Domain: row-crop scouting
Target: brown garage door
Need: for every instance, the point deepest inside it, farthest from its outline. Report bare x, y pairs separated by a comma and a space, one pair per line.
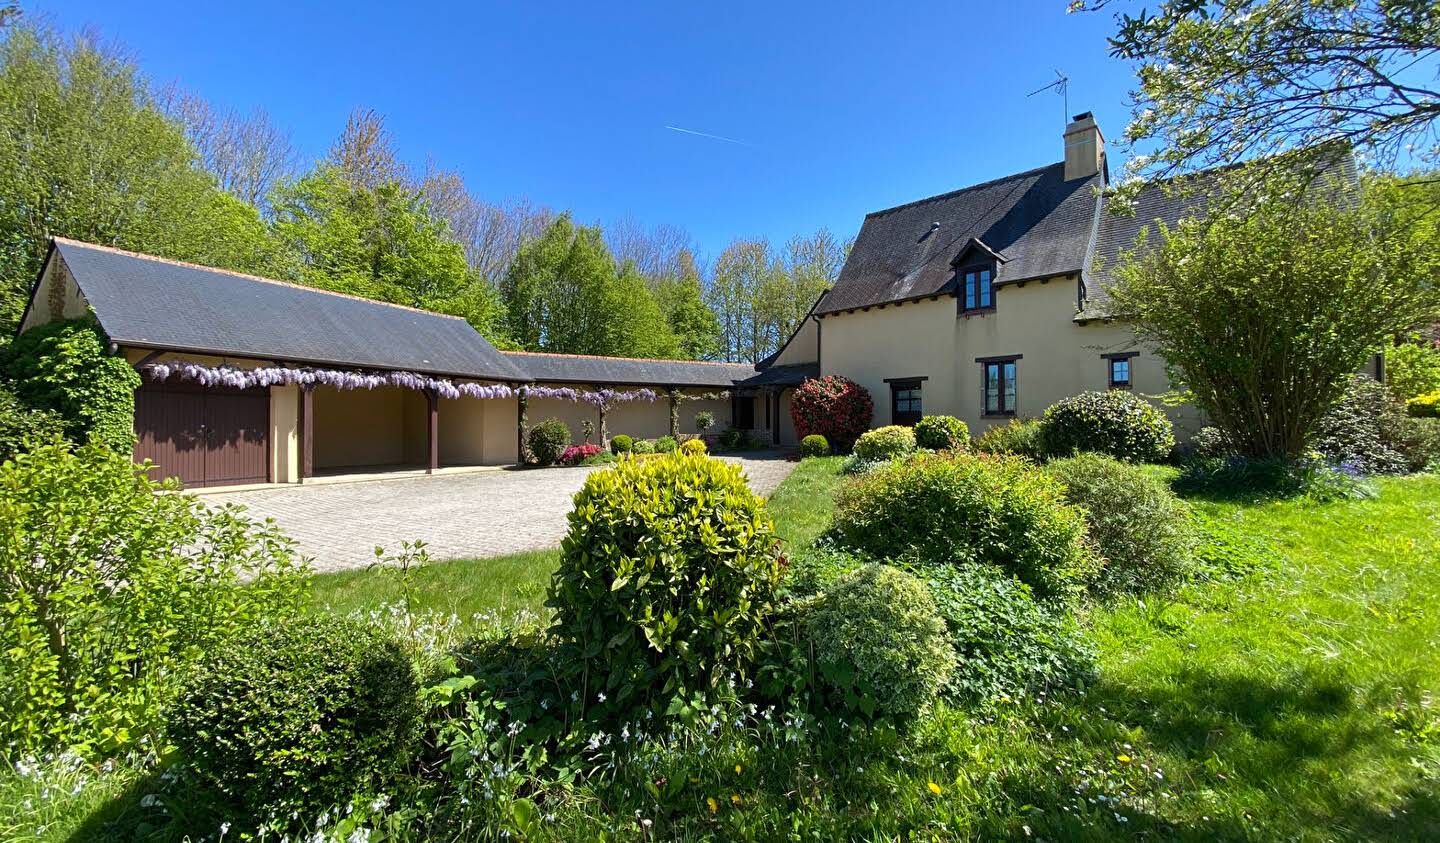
204, 436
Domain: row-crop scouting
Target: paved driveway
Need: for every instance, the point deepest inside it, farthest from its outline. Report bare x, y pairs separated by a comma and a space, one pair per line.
459, 516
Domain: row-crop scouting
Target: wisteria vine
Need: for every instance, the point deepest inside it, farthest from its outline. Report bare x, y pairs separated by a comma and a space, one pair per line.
265, 376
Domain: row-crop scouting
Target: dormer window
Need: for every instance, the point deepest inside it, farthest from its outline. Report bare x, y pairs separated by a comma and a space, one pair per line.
977, 288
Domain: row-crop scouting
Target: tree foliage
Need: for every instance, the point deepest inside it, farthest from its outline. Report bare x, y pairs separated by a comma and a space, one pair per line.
1225, 82
84, 153
1266, 310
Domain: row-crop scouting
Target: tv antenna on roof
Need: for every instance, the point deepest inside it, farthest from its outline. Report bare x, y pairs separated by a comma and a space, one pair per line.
1062, 87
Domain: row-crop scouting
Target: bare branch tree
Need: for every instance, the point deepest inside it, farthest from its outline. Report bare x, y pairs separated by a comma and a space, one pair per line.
247, 154
365, 153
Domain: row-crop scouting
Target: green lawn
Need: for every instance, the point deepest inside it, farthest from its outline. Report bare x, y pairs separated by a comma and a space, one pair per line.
1293, 702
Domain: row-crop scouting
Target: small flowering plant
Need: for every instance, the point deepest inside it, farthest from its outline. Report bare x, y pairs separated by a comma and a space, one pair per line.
834, 407
577, 454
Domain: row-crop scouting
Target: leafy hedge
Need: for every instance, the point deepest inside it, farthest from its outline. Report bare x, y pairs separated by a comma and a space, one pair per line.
299, 715
22, 427
66, 368
834, 407
109, 592
666, 580
1115, 422
1136, 523
961, 510
1425, 406
1017, 437
1370, 432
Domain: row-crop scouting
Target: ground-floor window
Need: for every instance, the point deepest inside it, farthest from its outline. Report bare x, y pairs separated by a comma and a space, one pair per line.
1117, 368
998, 379
905, 404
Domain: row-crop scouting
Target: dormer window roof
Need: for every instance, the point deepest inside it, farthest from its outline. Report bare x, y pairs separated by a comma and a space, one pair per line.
976, 253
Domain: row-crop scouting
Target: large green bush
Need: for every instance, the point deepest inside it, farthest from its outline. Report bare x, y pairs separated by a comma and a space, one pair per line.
1116, 422
814, 445
834, 407
1370, 432
66, 368
1412, 368
548, 440
1018, 437
985, 510
1136, 523
1005, 642
299, 715
880, 647
885, 443
622, 444
21, 426
108, 591
666, 580
941, 433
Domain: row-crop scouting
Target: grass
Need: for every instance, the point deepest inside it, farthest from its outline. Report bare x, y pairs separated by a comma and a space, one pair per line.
1294, 701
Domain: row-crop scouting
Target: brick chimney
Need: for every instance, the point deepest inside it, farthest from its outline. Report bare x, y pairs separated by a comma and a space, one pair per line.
1084, 148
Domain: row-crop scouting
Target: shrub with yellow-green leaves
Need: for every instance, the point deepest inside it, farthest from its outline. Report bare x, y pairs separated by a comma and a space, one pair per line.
885, 443
666, 581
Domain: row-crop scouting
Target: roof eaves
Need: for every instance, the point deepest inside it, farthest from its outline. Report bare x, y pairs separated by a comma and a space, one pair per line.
516, 377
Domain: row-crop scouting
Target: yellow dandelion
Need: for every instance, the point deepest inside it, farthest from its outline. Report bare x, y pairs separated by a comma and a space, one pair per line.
734, 799
1123, 759
936, 789
738, 768
714, 806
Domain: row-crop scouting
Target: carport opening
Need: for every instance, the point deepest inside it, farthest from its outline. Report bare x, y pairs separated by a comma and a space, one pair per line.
387, 429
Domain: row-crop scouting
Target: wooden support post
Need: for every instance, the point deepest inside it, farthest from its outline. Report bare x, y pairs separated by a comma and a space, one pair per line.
434, 430
522, 403
307, 431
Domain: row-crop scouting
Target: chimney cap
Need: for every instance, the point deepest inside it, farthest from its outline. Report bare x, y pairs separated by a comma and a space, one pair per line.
1084, 115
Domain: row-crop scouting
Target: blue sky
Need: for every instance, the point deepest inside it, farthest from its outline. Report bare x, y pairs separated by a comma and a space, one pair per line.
843, 108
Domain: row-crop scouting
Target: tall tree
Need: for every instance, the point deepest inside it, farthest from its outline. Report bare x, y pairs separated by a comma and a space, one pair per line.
638, 327
246, 153
84, 153
682, 301
364, 154
490, 233
381, 243
1223, 82
655, 252
1267, 309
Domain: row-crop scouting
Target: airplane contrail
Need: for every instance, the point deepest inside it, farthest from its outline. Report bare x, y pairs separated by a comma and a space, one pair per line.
707, 135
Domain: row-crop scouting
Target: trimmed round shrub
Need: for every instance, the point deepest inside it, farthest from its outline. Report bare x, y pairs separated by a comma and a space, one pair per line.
1018, 437
1005, 641
814, 445
1135, 522
299, 715
693, 446
548, 440
1116, 422
885, 443
66, 367
941, 433
622, 444
982, 510
665, 444
704, 420
667, 578
834, 407
643, 446
881, 648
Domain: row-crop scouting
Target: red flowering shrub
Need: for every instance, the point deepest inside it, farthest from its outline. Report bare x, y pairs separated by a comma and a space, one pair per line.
576, 454
834, 407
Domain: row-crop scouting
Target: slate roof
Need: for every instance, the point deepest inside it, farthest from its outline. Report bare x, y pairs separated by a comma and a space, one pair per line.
1039, 222
628, 371
151, 302
792, 375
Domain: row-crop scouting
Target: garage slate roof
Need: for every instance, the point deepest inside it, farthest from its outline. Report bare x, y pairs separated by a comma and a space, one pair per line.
792, 375
152, 302
628, 371
1039, 223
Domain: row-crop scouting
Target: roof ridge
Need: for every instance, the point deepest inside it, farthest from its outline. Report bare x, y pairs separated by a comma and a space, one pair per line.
248, 276
958, 191
632, 359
